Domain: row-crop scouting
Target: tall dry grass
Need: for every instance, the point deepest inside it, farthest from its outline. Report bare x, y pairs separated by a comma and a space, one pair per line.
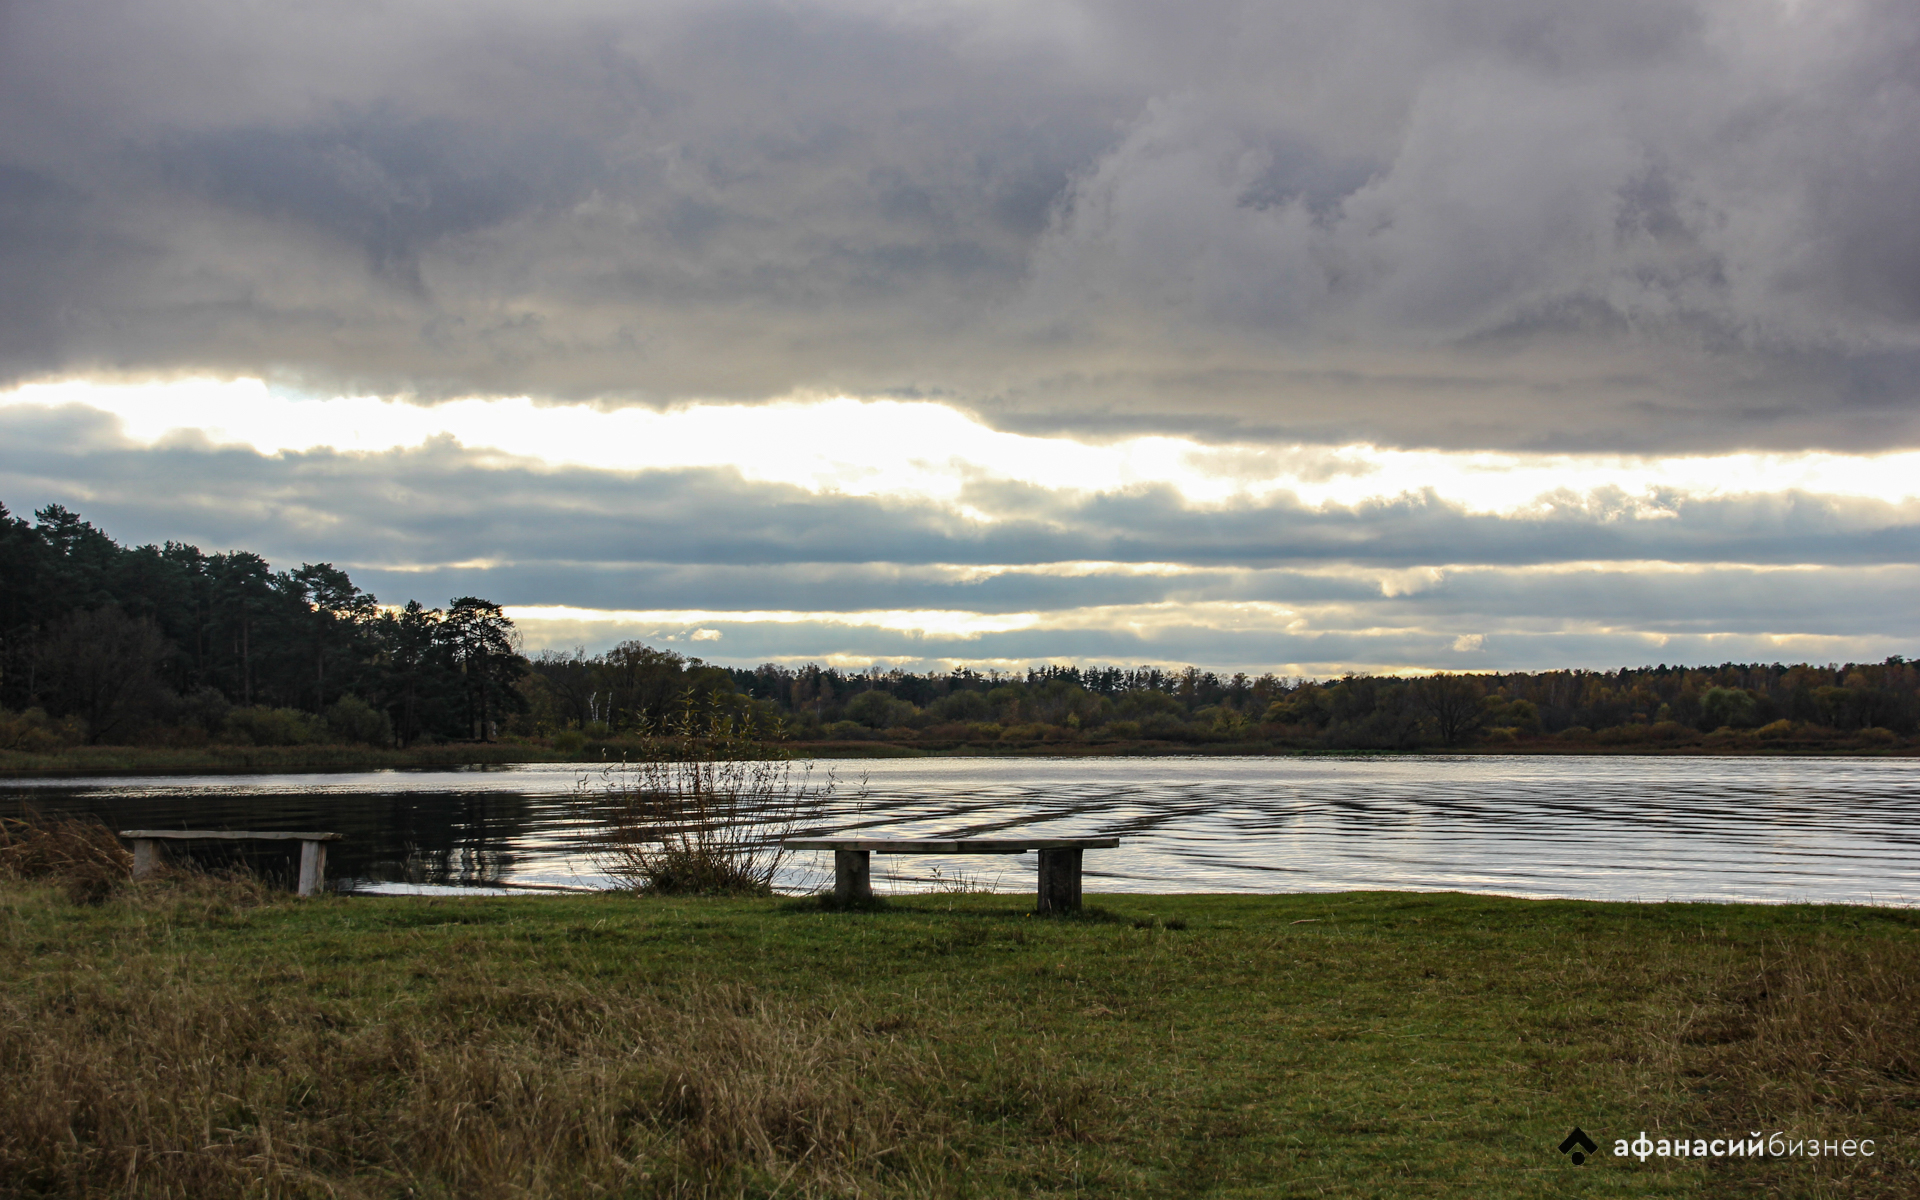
156, 1083
81, 854
1819, 1040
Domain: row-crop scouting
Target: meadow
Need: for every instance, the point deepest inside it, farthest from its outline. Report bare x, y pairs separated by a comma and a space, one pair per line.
206, 1037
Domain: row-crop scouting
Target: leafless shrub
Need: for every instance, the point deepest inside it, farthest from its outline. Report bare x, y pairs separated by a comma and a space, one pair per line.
701, 810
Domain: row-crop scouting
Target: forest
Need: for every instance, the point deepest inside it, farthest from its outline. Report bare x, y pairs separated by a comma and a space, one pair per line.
1728, 707
169, 646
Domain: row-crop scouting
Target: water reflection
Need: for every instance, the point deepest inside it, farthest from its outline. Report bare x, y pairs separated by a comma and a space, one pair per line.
1607, 828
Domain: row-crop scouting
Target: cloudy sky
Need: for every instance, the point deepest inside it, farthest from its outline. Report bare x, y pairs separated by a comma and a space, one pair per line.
1456, 334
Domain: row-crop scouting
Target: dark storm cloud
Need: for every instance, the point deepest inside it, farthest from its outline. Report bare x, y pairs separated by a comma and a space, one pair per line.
1648, 225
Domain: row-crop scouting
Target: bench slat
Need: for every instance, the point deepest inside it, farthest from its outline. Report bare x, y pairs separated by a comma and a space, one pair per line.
951, 846
229, 835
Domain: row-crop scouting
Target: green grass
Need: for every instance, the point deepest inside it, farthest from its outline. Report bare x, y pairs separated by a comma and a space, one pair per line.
199, 1040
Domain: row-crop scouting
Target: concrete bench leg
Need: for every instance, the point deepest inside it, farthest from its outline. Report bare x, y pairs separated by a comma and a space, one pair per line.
146, 858
852, 876
313, 867
1059, 881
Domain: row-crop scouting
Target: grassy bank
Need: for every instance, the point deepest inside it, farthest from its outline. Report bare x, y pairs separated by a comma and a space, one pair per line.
201, 1039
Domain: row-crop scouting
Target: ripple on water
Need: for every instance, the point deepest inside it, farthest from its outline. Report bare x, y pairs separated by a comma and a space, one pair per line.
1773, 829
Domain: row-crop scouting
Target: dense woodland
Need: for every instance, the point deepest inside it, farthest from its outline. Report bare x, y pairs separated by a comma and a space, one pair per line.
169, 646
1731, 706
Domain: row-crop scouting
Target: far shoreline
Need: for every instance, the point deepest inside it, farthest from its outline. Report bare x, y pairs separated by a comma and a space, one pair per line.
75, 762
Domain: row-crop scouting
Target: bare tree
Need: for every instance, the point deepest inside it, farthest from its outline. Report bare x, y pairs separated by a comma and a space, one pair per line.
104, 667
1453, 703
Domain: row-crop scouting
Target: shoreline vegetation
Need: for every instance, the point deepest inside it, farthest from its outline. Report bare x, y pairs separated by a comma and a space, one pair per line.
81, 761
165, 658
206, 1037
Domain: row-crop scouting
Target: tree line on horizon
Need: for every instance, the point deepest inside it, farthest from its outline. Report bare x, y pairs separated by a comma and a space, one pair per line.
168, 646
636, 687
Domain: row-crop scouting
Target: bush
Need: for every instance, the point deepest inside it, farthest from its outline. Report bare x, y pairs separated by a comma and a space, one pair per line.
1623, 735
204, 707
32, 732
847, 731
570, 741
702, 812
263, 726
1723, 707
878, 710
1166, 726
352, 719
172, 737
961, 706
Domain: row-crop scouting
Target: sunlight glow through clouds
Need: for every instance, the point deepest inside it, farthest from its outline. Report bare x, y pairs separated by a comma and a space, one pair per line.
922, 449
561, 625
947, 623
1152, 633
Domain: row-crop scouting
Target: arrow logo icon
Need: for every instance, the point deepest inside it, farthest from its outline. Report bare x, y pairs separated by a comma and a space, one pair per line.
1578, 1138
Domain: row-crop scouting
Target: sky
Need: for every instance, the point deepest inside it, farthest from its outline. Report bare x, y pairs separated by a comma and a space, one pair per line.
1315, 337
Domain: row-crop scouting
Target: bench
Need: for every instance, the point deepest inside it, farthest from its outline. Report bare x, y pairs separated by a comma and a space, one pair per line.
313, 849
1059, 861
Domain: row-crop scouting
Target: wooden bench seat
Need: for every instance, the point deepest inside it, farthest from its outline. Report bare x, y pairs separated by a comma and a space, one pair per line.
1059, 861
313, 849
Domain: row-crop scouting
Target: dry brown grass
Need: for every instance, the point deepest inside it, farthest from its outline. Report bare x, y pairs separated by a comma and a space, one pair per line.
1822, 1041
79, 853
196, 1037
156, 1082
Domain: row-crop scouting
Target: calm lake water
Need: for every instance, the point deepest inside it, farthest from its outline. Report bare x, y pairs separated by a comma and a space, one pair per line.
1830, 830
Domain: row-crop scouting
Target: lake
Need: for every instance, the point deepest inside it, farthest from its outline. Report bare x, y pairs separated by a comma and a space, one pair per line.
1844, 830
